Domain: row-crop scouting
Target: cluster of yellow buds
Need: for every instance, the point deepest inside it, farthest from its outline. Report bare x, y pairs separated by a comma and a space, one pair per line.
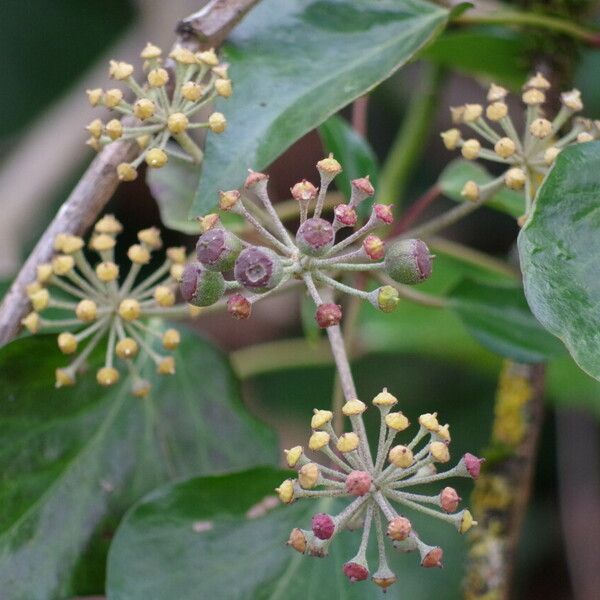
107, 306
529, 156
164, 105
375, 487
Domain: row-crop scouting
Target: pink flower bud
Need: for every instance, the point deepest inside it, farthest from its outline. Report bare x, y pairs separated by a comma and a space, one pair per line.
374, 247
323, 526
399, 528
364, 186
254, 178
239, 307
315, 236
328, 315
449, 499
473, 464
433, 558
383, 213
304, 191
355, 571
358, 483
345, 215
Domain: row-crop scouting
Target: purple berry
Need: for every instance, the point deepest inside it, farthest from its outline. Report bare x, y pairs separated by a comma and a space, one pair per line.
201, 287
315, 236
217, 249
258, 269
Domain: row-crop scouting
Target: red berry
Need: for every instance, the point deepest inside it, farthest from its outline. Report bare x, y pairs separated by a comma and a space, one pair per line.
355, 571
323, 526
238, 306
328, 315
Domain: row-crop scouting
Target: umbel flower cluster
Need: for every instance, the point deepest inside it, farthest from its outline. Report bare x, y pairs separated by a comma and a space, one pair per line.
103, 306
318, 254
375, 485
527, 156
163, 107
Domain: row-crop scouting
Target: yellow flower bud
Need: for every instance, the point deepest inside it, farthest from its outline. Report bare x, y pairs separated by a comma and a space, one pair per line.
150, 237
44, 272
183, 56
470, 149
94, 96
318, 440
40, 299
177, 123
472, 112
112, 97
171, 339
354, 407
466, 521
194, 311
470, 191
33, 287
143, 141
120, 70
150, 51
71, 244
540, 128
177, 254
108, 224
329, 166
539, 82
208, 222
64, 377
107, 376
191, 91
129, 309
320, 418
457, 114
451, 138
286, 491
384, 398
443, 433
550, 154
138, 254
156, 158
166, 366
164, 295
126, 348
144, 108
533, 97
292, 456
584, 137
397, 421
439, 451
217, 122
95, 128
308, 475
347, 442
59, 240
140, 388
401, 457
102, 242
505, 147
496, 111
126, 172
31, 322
221, 71
227, 200
514, 178
114, 129
86, 310
429, 421
62, 264
176, 273
67, 342
572, 100
158, 77
223, 87
208, 57
496, 93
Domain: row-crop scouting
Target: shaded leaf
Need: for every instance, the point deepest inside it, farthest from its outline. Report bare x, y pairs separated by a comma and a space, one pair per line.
559, 248
73, 459
458, 172
498, 317
294, 64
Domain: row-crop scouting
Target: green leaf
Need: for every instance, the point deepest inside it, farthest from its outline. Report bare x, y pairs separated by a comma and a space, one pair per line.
353, 152
293, 64
194, 539
498, 317
559, 248
73, 460
459, 171
494, 53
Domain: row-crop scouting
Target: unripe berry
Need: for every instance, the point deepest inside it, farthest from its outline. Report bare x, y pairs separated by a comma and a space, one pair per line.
358, 483
385, 298
304, 191
217, 249
200, 286
466, 521
156, 158
401, 457
239, 307
374, 247
408, 261
258, 269
315, 236
328, 315
355, 571
323, 526
449, 499
126, 348
399, 528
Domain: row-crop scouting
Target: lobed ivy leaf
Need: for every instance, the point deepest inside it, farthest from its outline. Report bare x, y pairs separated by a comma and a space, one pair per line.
559, 248
73, 460
293, 64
